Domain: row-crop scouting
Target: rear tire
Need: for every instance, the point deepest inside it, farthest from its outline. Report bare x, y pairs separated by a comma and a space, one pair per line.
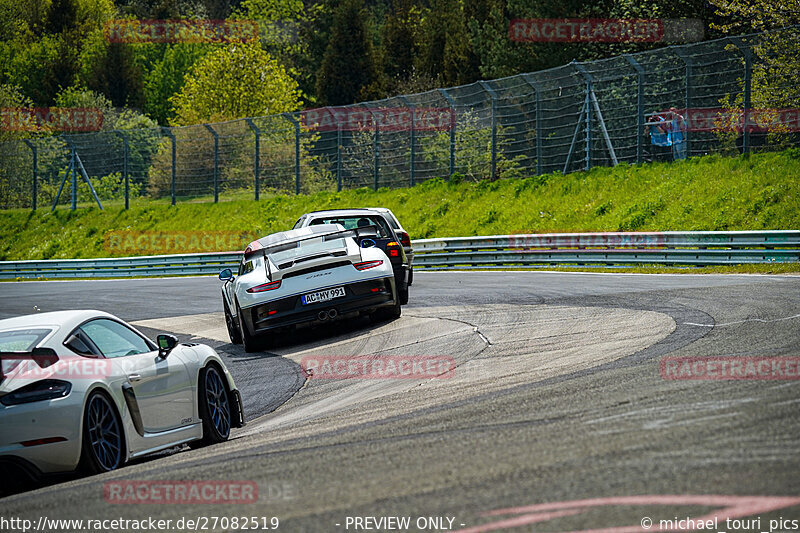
410, 276
230, 322
250, 343
214, 407
103, 442
388, 313
403, 294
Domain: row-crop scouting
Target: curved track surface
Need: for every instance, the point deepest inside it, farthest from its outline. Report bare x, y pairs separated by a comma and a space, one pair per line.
556, 397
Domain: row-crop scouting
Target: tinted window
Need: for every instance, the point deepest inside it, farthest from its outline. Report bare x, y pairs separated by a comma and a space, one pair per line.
21, 340
114, 339
357, 221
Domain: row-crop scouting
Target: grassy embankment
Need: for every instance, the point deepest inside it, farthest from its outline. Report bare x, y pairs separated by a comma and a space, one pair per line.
709, 193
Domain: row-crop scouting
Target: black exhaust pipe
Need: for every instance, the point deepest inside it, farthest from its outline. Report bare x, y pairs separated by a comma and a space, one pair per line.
332, 313
322, 316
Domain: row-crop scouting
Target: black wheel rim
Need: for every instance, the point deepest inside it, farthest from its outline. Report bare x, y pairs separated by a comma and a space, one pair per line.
217, 402
104, 433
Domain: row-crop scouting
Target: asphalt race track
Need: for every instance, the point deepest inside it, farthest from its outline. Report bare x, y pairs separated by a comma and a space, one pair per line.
556, 417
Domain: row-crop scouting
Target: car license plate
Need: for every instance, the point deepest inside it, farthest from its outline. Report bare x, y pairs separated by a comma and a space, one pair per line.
323, 296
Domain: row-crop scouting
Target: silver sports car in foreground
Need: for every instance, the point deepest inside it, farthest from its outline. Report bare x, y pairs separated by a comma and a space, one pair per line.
307, 276
83, 389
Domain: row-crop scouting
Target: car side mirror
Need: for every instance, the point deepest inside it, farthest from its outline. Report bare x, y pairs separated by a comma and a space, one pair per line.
226, 275
165, 344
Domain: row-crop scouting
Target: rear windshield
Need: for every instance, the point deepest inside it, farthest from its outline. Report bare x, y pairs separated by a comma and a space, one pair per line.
22, 340
359, 221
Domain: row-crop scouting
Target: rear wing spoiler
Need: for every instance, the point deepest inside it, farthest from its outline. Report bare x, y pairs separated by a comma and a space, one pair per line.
43, 357
364, 232
356, 233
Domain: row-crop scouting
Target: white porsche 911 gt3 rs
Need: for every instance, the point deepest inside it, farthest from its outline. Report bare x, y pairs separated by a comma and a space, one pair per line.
83, 389
307, 276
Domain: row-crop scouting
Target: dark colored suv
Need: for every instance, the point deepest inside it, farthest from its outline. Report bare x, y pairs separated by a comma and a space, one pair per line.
387, 240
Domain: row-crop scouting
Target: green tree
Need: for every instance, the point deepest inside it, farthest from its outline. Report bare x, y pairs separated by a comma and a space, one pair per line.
445, 48
62, 15
400, 36
348, 71
239, 80
166, 76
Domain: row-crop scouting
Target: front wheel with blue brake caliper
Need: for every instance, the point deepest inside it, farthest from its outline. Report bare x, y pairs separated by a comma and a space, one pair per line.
103, 444
214, 407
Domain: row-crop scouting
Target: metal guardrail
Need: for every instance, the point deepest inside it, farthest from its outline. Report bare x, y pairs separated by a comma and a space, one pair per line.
693, 248
123, 267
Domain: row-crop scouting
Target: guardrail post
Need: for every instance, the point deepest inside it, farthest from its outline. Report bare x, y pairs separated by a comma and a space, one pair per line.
290, 118
125, 155
413, 136
216, 161
687, 60
639, 107
35, 165
453, 122
172, 139
257, 156
493, 96
537, 90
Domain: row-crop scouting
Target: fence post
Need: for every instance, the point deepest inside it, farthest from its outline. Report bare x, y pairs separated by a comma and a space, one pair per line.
172, 139
537, 90
257, 157
748, 82
589, 92
376, 150
453, 122
216, 161
687, 60
639, 107
290, 118
125, 152
338, 156
35, 171
413, 136
493, 96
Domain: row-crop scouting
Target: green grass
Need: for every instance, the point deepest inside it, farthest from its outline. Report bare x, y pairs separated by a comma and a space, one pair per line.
708, 193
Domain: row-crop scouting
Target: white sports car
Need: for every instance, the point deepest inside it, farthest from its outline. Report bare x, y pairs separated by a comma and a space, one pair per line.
307, 276
83, 389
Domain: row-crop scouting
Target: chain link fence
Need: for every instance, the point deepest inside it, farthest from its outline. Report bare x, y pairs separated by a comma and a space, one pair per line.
732, 95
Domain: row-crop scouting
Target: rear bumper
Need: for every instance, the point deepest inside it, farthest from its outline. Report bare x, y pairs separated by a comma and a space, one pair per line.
362, 296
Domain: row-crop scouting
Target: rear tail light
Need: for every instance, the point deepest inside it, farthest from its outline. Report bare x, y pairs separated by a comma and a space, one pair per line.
272, 285
405, 240
368, 264
393, 248
39, 442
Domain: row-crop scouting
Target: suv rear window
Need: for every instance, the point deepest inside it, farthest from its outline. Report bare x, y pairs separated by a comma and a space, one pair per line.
352, 222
